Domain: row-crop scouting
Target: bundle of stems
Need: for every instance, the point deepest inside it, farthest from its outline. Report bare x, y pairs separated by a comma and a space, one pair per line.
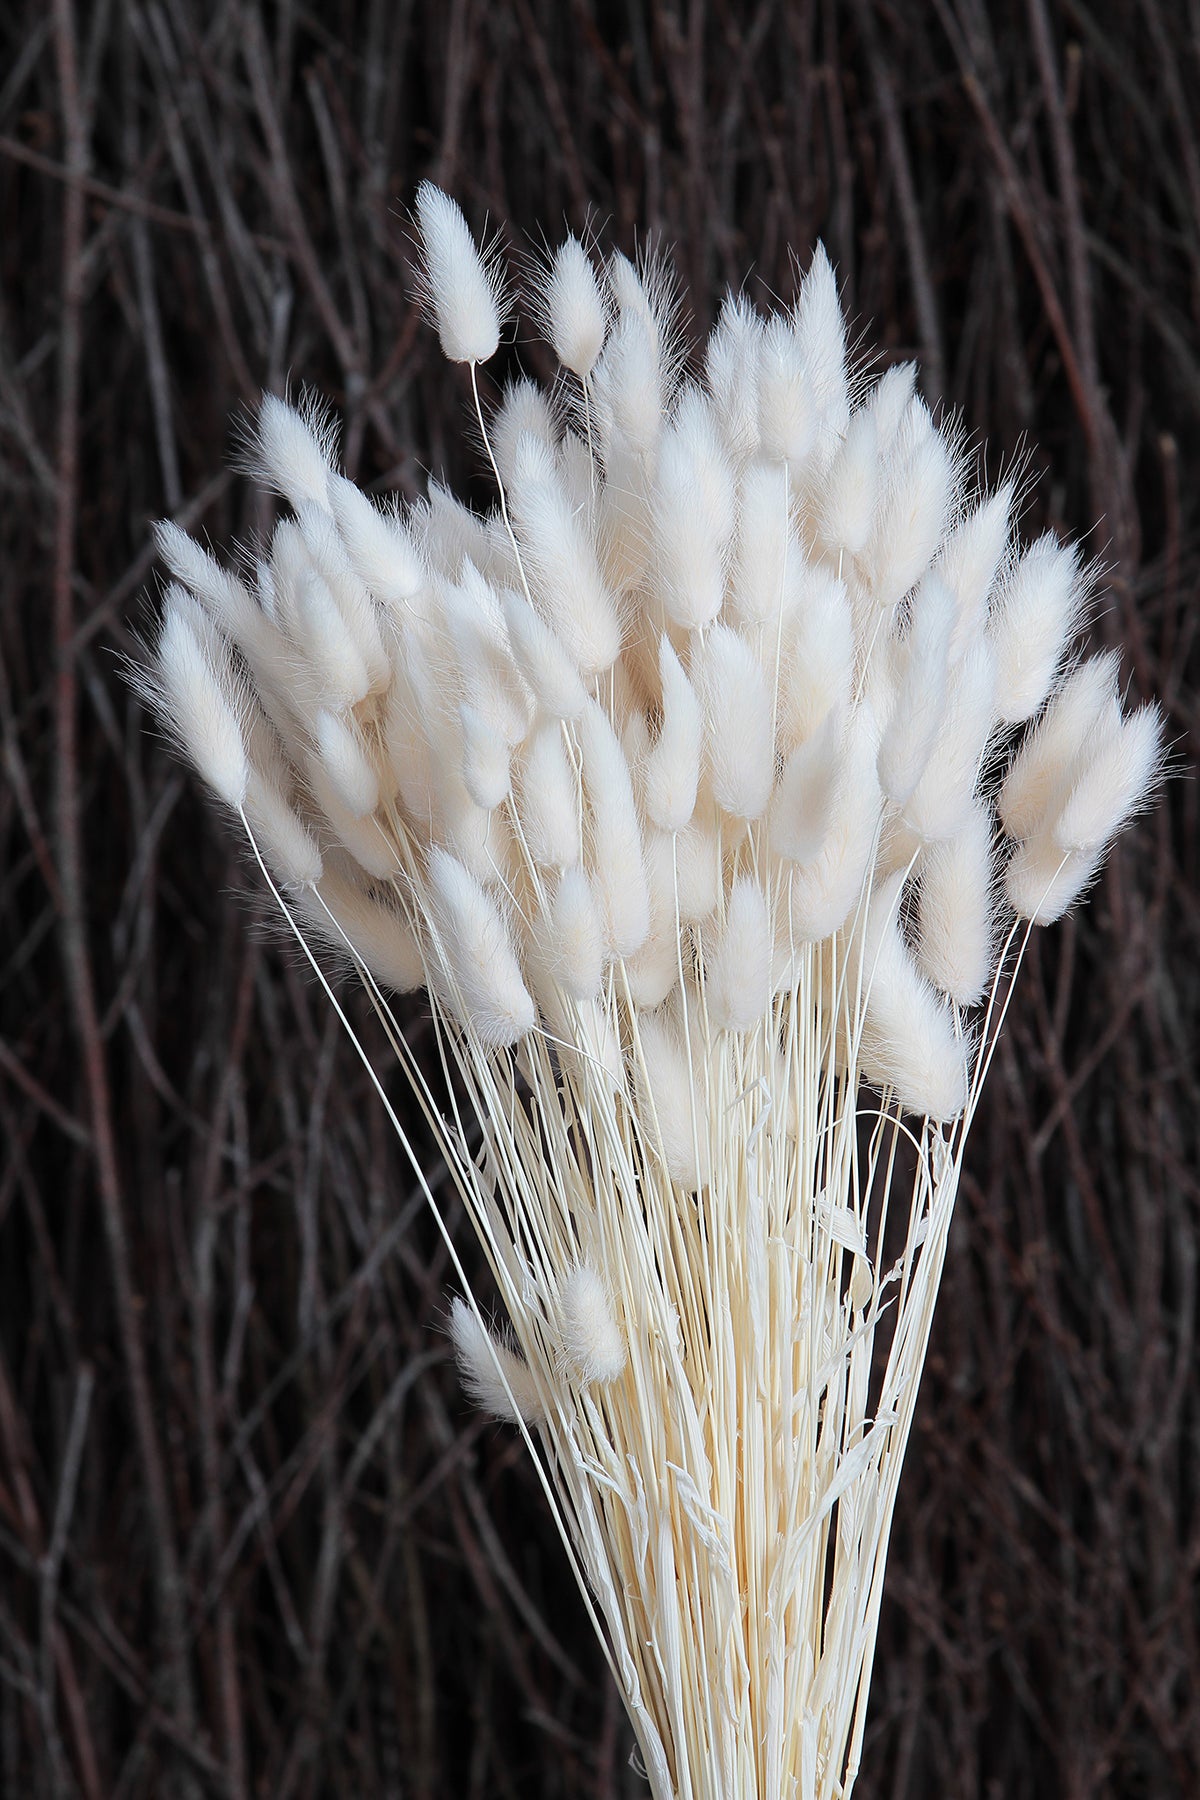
710, 785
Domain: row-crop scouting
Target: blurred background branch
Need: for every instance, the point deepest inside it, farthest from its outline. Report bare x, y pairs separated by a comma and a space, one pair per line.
251, 1541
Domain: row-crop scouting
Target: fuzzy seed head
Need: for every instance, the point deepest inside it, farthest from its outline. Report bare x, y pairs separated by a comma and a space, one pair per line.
697, 855
200, 707
593, 1344
575, 309
572, 938
543, 660
822, 894
848, 500
940, 804
818, 655
1042, 882
294, 450
956, 912
731, 368
805, 801
383, 554
1119, 769
671, 1106
912, 512
485, 759
693, 514
616, 862
524, 411
969, 563
485, 986
737, 722
338, 670
889, 404
821, 335
495, 1377
909, 1042
1044, 769
628, 386
350, 918
222, 595
1035, 612
346, 764
738, 968
920, 703
465, 294
283, 838
561, 563
766, 552
787, 418
549, 800
672, 768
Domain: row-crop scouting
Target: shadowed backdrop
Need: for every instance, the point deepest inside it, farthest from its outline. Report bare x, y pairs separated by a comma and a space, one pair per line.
252, 1540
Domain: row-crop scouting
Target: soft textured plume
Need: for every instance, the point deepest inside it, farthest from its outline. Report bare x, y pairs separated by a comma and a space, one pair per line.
738, 967
737, 723
672, 1103
493, 1374
480, 967
592, 1341
672, 767
294, 451
465, 293
199, 702
1034, 614
575, 310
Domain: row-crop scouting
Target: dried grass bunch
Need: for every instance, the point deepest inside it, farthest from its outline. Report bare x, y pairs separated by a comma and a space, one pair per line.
691, 782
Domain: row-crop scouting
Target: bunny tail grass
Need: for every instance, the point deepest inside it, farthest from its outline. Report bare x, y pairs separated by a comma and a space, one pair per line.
708, 785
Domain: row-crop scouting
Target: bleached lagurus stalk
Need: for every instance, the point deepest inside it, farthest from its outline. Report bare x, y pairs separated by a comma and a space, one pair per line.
709, 785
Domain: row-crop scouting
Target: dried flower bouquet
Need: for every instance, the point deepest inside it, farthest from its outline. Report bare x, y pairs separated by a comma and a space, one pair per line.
709, 784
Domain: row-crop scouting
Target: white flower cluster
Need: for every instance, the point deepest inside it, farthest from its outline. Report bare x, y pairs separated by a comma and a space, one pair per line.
731, 671
701, 779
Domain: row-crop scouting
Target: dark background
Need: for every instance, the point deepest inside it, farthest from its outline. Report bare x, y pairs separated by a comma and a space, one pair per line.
251, 1540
